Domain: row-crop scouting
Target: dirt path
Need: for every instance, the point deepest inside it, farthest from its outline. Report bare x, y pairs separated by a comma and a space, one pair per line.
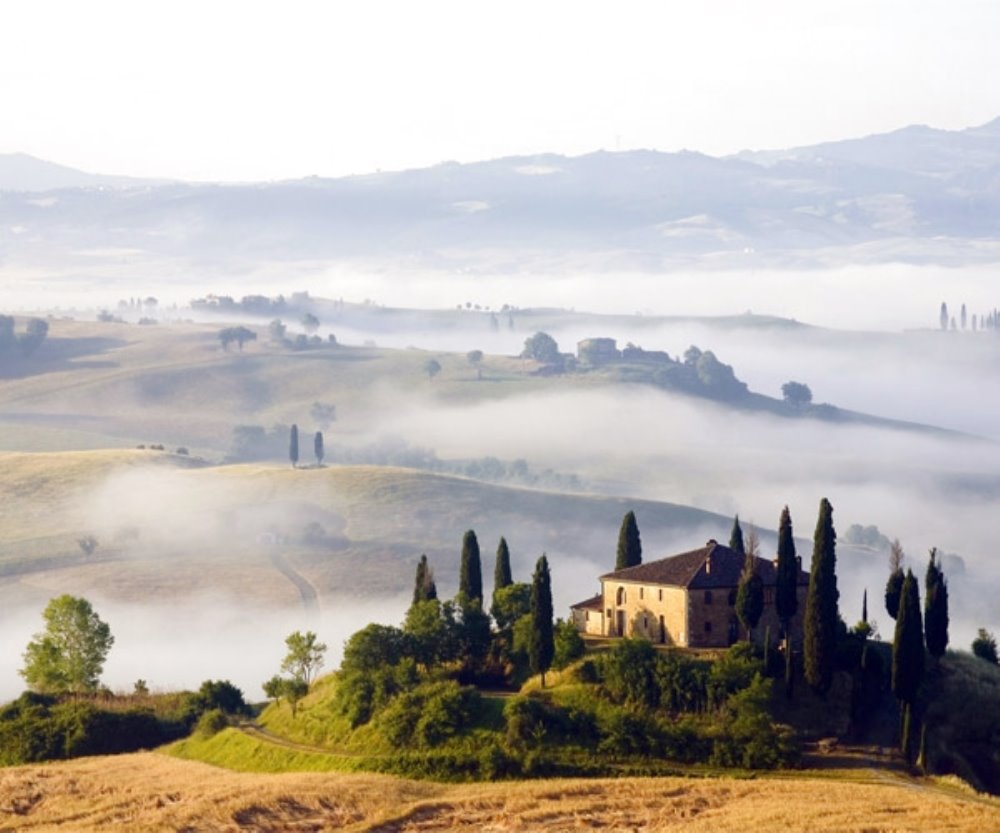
310, 599
260, 733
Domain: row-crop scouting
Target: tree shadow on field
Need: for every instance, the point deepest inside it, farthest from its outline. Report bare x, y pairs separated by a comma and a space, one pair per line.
56, 354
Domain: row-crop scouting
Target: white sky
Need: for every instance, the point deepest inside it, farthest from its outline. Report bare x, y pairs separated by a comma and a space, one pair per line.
250, 90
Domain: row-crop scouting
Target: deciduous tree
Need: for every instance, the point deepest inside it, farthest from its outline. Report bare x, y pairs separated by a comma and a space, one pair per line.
750, 596
305, 656
68, 656
894, 585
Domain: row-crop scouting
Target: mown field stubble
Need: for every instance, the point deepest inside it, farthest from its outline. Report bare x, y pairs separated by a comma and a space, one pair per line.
152, 792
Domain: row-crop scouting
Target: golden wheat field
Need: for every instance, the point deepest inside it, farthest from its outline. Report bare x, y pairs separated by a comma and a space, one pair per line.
148, 791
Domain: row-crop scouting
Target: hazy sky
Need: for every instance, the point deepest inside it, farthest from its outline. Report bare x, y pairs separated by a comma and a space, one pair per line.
249, 90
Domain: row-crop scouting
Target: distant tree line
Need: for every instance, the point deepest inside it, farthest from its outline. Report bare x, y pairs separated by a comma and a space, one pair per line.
989, 320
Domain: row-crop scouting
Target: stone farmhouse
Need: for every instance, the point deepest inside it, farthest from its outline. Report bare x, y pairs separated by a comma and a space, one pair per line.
685, 600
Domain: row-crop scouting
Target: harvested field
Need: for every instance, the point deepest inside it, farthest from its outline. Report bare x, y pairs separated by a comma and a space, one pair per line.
153, 792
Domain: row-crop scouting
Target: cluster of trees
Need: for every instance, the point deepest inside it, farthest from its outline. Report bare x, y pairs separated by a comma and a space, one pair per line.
303, 661
24, 343
917, 638
239, 335
319, 451
443, 645
990, 320
277, 331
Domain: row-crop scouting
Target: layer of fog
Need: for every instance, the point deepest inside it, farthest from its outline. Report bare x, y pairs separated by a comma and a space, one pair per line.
178, 645
871, 297
926, 490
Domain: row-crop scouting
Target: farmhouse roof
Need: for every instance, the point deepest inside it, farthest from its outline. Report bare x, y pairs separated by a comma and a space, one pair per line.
593, 603
712, 565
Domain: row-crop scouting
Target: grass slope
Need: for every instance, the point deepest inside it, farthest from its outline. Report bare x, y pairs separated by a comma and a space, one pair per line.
154, 792
169, 525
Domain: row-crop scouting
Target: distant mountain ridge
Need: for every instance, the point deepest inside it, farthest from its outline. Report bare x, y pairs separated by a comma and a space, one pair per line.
23, 172
914, 194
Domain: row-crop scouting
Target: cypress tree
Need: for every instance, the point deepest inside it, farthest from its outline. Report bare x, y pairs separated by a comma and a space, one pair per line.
864, 606
629, 545
750, 596
470, 580
935, 609
424, 588
318, 448
542, 645
736, 537
821, 618
786, 582
501, 571
908, 655
894, 586
293, 446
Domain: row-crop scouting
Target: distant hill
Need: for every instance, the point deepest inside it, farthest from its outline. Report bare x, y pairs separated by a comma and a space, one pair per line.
915, 194
274, 534
21, 172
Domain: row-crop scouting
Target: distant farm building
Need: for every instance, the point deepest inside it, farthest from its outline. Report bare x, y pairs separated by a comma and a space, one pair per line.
686, 600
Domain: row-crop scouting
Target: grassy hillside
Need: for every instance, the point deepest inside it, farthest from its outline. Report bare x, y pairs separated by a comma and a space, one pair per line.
169, 525
157, 793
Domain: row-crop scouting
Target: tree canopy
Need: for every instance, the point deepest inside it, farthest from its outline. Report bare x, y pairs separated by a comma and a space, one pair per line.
305, 656
542, 348
796, 393
69, 655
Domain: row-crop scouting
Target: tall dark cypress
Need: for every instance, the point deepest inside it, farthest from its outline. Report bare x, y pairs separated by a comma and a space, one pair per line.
908, 657
470, 580
935, 608
318, 448
424, 588
820, 637
501, 571
786, 582
750, 596
541, 648
629, 545
736, 543
293, 446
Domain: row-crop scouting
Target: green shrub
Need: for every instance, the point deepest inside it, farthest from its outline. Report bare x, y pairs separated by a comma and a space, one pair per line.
628, 673
732, 672
625, 732
747, 737
682, 682
211, 723
569, 645
429, 714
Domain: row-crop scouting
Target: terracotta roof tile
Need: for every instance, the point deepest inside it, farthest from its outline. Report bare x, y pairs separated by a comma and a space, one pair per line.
691, 569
